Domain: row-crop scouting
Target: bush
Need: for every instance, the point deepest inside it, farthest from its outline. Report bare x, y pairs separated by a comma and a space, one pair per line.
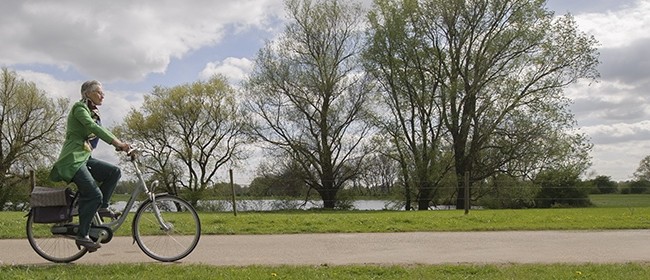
561, 188
640, 186
506, 192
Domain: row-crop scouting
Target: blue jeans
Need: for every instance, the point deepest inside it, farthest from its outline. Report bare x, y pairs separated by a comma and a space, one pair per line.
91, 195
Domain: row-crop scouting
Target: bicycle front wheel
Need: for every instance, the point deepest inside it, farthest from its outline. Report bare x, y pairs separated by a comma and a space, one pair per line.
59, 248
171, 236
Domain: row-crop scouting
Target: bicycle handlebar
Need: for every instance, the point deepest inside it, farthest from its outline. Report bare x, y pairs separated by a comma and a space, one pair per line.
133, 153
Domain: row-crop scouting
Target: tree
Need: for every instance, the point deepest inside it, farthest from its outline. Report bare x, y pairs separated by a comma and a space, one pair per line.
189, 131
604, 184
309, 94
381, 173
643, 171
398, 58
31, 127
560, 187
279, 178
497, 69
503, 191
639, 186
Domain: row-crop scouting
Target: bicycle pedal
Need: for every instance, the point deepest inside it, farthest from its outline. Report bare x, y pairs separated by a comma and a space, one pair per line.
107, 213
101, 231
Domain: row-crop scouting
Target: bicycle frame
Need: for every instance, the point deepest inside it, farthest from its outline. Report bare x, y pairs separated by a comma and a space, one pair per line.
114, 225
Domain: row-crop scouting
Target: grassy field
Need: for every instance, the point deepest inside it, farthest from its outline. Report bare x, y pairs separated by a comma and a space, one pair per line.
610, 212
621, 200
463, 271
12, 224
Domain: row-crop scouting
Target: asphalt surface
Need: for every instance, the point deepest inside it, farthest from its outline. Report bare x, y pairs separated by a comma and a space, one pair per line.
611, 246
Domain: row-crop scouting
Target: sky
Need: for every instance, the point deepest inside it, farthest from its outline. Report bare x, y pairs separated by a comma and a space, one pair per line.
132, 46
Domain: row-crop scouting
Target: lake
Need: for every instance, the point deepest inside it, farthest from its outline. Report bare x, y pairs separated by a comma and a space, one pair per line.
275, 204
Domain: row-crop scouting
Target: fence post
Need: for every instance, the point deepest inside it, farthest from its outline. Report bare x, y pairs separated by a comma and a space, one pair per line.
466, 194
32, 181
232, 188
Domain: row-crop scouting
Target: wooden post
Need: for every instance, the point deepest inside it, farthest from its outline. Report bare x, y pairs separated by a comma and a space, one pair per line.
232, 188
466, 194
32, 181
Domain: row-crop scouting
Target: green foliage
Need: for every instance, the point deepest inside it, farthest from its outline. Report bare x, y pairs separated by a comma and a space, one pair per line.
125, 186
505, 192
223, 189
31, 127
189, 132
500, 108
283, 178
643, 171
15, 196
604, 185
640, 186
561, 188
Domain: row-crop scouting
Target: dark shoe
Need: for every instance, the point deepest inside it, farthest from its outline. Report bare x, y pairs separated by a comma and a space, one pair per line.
108, 213
86, 242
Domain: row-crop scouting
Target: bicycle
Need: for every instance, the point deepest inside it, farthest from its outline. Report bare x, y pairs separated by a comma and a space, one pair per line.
165, 227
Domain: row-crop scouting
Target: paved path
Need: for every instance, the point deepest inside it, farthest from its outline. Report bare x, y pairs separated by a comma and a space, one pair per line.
612, 246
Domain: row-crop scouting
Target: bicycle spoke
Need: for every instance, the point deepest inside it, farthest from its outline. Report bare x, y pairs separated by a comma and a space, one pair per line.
182, 223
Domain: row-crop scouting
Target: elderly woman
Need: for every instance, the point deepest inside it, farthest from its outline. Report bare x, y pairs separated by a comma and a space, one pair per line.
75, 163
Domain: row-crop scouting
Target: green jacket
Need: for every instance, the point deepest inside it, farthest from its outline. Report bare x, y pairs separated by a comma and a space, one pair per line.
76, 149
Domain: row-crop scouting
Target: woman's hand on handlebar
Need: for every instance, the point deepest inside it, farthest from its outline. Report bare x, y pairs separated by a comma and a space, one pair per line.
121, 146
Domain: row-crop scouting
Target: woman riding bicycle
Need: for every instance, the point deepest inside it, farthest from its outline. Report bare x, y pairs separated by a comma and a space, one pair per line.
75, 163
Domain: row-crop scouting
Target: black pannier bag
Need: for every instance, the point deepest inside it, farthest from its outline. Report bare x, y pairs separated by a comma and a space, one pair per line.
50, 205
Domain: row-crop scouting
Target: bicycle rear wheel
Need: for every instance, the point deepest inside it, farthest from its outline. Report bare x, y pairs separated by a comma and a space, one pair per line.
59, 248
177, 238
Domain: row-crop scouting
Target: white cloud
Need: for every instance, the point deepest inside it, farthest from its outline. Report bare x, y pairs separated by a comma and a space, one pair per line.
618, 133
235, 69
614, 112
608, 102
618, 28
121, 40
52, 86
619, 160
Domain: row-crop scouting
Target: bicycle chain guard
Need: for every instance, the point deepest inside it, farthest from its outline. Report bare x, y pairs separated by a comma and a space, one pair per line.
95, 231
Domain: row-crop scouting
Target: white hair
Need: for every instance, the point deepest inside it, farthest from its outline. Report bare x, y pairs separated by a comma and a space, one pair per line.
89, 86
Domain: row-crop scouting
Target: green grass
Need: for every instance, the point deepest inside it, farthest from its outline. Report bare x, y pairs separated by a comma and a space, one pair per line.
12, 224
621, 200
400, 221
612, 212
162, 271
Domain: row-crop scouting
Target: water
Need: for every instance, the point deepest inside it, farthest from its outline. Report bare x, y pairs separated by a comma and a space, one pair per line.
274, 204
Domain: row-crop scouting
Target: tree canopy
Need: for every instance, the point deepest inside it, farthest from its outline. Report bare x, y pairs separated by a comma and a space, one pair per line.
189, 131
31, 127
308, 93
489, 77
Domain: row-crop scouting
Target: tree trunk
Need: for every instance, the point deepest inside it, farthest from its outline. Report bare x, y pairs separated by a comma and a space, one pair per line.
424, 198
423, 204
407, 197
460, 196
329, 197
460, 179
